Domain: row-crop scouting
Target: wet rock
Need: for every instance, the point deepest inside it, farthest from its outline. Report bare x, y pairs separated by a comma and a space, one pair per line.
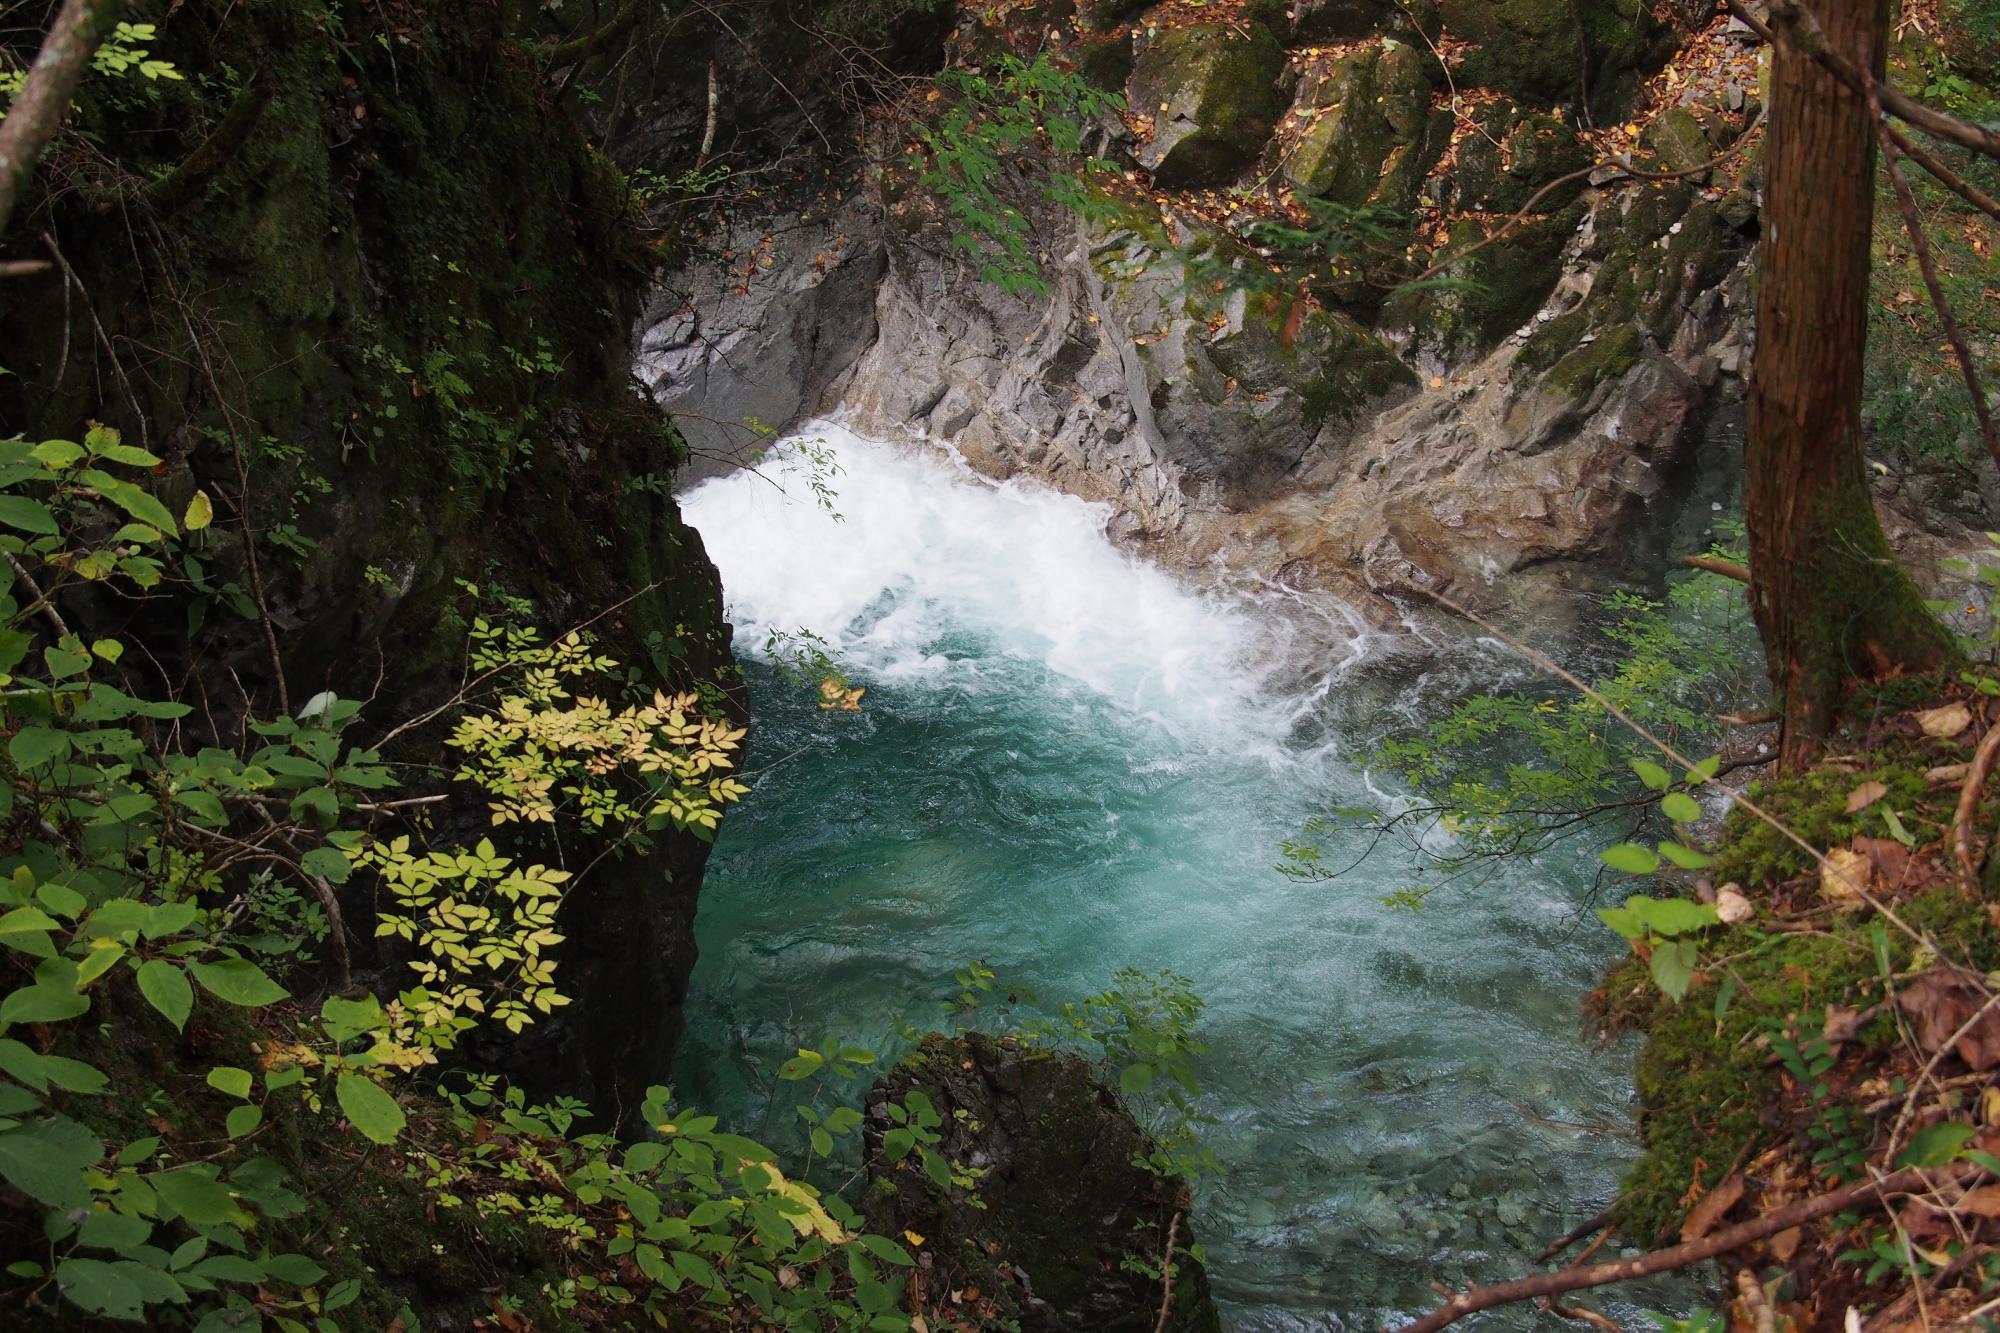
1210, 90
1060, 1208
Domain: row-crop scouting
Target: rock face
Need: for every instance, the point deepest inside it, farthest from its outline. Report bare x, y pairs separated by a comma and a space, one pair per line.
1067, 1235
1325, 432
1211, 95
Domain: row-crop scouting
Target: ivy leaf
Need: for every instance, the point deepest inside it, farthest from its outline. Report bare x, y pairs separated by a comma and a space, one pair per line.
370, 1109
166, 989
239, 981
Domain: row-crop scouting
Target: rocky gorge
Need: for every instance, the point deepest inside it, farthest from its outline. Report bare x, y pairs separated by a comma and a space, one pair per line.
1520, 417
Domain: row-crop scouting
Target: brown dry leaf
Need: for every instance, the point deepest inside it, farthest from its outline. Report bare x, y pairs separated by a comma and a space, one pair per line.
1844, 1024
1944, 722
1865, 795
1888, 860
1983, 1202
1938, 1004
1786, 1244
1701, 1219
1944, 775
1846, 874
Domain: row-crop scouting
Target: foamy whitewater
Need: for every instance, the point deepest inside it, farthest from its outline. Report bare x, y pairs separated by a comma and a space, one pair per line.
1069, 763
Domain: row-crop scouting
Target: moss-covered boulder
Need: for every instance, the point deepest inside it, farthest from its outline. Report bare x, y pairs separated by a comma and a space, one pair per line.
1058, 1229
1498, 289
1100, 15
1678, 140
1211, 92
1341, 156
1553, 52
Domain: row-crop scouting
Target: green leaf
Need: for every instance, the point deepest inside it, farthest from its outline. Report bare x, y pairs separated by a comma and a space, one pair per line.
643, 1157
371, 1110
1687, 858
803, 1065
194, 1193
1631, 858
62, 900
129, 455
47, 1162
1896, 829
1680, 807
1135, 1078
1672, 966
74, 1075
134, 501
57, 454
166, 989
106, 1230
18, 511
33, 747
242, 1119
238, 981
293, 1268
329, 863
42, 1003
1652, 775
1706, 769
26, 920
230, 1081
887, 1250
935, 1167
92, 1285
1935, 1145
1672, 916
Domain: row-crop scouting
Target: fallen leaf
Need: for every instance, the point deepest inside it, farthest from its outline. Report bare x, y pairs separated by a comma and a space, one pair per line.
1865, 795
1939, 1005
1945, 775
1786, 1244
1844, 877
1701, 1219
1888, 860
1982, 1202
1731, 906
1943, 723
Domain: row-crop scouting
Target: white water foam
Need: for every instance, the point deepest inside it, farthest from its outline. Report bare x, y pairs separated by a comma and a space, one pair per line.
921, 550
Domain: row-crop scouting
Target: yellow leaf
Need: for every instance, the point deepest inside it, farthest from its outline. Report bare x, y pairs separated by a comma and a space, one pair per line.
914, 1239
200, 512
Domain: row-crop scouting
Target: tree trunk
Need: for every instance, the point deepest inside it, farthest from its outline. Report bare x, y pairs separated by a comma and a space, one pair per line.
1829, 598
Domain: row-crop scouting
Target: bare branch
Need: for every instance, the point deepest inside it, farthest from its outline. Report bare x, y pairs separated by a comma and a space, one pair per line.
1475, 1299
39, 108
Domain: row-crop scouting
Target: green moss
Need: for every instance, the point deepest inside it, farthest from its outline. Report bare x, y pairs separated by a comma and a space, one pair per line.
1813, 805
1211, 77
1584, 369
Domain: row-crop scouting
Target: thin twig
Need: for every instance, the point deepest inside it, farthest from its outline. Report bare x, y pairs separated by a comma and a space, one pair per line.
1920, 242
1728, 569
1950, 179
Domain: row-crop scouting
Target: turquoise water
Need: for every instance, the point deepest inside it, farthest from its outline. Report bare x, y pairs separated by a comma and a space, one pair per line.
1068, 763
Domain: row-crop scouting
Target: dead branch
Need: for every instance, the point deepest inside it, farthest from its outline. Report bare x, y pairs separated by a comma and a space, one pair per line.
1950, 179
1572, 1236
1968, 806
1167, 1276
23, 268
714, 115
184, 184
1474, 1299
1728, 569
38, 111
1920, 243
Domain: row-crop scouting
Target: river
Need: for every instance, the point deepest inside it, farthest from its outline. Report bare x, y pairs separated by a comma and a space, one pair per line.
1068, 762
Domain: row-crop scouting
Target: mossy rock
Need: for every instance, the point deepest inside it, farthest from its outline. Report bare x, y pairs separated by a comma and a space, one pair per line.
1678, 140
1549, 51
1340, 158
1499, 288
1103, 15
1059, 1205
1211, 93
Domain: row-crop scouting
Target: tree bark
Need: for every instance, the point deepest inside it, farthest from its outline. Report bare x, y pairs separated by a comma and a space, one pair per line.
38, 110
1829, 598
